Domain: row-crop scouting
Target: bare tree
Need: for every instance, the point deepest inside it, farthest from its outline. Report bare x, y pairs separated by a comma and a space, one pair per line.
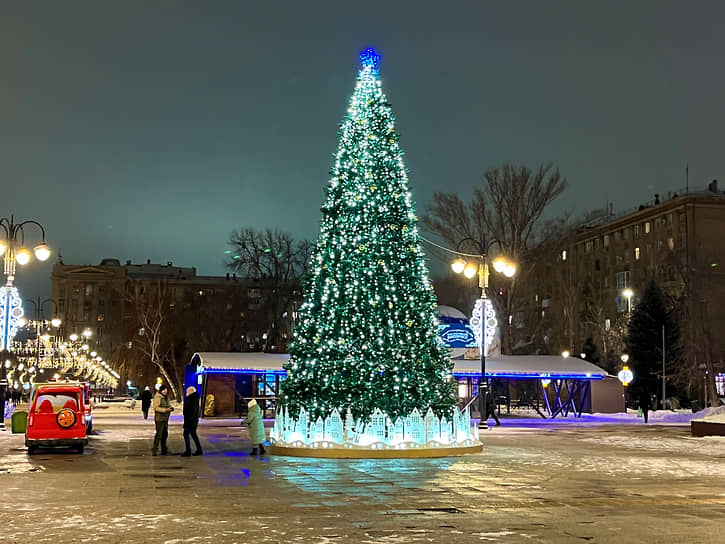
276, 262
151, 304
508, 209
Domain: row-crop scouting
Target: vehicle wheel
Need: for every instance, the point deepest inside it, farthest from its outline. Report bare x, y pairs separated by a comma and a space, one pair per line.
66, 418
32, 450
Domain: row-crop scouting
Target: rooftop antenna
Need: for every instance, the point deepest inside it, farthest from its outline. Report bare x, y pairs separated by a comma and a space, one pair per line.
687, 178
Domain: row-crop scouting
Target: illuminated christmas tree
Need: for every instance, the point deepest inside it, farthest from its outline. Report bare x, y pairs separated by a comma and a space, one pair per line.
366, 337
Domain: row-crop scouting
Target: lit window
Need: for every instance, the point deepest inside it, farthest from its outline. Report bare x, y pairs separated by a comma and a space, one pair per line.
671, 243
636, 254
607, 324
605, 241
647, 227
563, 255
636, 231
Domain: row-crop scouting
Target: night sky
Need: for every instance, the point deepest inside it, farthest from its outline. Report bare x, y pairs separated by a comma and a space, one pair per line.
150, 130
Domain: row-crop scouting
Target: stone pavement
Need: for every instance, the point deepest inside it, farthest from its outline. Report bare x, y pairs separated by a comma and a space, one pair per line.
543, 482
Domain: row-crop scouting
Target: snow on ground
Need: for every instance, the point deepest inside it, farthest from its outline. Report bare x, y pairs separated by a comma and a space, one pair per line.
711, 415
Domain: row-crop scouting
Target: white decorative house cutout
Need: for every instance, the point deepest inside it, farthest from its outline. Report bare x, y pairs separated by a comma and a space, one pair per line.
378, 432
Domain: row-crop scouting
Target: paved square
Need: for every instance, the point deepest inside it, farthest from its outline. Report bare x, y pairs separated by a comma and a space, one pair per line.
535, 481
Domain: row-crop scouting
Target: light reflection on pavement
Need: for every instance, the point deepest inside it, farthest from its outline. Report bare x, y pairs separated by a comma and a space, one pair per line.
535, 483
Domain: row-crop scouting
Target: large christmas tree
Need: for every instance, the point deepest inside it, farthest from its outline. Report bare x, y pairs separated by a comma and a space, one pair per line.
366, 336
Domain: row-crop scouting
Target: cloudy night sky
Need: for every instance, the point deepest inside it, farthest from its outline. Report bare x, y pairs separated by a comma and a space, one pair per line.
150, 130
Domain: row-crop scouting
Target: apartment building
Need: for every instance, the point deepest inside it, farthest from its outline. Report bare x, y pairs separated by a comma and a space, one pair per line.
597, 273
217, 313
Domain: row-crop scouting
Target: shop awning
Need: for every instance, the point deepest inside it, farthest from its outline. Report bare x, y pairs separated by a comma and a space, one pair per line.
500, 366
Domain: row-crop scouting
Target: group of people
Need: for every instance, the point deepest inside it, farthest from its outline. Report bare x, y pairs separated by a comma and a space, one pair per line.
162, 412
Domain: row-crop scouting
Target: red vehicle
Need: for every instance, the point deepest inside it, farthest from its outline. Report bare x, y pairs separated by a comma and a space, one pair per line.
87, 406
56, 417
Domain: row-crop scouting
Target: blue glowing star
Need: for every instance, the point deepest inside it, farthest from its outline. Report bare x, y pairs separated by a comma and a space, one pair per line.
369, 58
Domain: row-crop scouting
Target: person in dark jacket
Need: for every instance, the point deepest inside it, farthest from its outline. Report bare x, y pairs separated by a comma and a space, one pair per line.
491, 408
644, 403
146, 397
191, 421
162, 412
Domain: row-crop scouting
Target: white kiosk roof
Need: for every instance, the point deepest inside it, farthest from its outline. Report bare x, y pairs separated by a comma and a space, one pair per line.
501, 366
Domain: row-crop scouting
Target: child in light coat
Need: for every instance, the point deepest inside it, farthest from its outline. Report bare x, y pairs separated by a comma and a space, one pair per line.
256, 428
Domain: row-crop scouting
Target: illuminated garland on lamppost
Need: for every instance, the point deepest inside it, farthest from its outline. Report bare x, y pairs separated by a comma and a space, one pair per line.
13, 247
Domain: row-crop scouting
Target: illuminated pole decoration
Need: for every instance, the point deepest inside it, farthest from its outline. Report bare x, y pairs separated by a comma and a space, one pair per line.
485, 328
490, 323
365, 345
11, 312
12, 246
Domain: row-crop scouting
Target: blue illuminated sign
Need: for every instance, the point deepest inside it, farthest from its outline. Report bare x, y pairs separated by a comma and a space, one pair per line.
457, 335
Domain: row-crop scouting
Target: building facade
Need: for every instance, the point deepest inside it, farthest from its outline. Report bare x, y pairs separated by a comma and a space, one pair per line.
223, 313
587, 282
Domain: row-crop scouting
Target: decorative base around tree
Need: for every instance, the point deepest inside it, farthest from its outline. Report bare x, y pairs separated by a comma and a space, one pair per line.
368, 453
378, 437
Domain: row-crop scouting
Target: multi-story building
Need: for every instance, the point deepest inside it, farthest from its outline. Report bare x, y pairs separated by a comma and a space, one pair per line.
209, 313
589, 280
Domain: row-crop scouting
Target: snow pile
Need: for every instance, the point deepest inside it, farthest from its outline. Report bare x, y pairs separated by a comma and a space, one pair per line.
711, 415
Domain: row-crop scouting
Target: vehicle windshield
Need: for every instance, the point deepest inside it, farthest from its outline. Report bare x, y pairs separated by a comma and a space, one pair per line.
54, 402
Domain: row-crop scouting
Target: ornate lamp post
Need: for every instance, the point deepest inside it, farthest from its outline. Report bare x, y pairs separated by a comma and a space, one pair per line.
12, 246
469, 270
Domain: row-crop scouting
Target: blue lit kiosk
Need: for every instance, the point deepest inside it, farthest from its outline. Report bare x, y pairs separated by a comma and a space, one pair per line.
550, 386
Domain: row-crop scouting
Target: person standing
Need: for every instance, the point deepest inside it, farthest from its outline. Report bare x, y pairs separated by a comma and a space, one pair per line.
191, 421
256, 427
644, 403
146, 397
162, 411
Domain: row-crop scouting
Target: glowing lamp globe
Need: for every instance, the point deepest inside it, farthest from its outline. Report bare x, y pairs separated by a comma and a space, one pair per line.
626, 376
42, 252
458, 265
55, 322
2, 249
509, 271
470, 271
22, 256
73, 337
565, 354
499, 265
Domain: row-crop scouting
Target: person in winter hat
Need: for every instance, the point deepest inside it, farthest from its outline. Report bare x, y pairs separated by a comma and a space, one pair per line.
162, 411
146, 398
256, 427
191, 421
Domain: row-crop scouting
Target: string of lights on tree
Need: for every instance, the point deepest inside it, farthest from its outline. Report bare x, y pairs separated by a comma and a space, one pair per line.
367, 333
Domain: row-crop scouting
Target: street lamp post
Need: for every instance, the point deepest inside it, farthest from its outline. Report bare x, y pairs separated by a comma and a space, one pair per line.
469, 270
12, 246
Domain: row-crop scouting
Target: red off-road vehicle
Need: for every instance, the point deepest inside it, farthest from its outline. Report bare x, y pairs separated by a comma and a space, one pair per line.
56, 417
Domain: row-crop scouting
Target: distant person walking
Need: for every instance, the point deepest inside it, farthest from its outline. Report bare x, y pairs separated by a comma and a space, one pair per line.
644, 403
256, 427
491, 409
191, 421
162, 411
146, 397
